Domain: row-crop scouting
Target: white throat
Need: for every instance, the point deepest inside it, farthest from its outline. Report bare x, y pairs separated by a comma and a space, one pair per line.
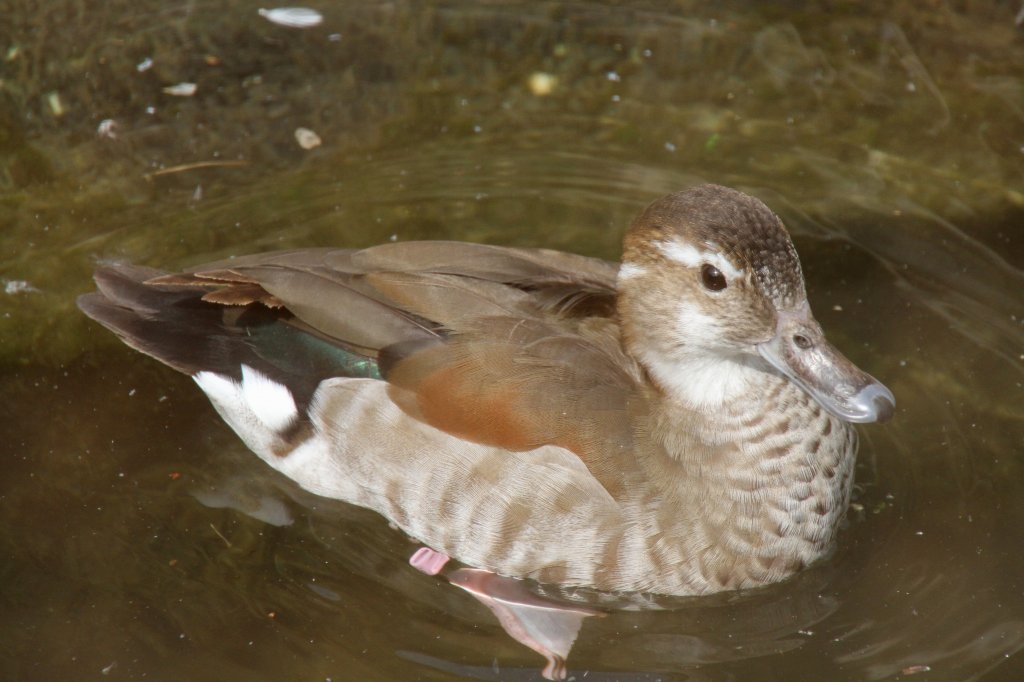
707, 382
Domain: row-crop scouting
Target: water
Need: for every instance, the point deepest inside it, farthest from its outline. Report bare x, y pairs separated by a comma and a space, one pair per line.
140, 540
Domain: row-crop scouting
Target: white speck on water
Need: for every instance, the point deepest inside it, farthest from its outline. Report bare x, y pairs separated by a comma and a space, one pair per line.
541, 83
107, 128
613, 76
145, 65
181, 89
292, 17
151, 110
307, 139
56, 105
669, 147
18, 286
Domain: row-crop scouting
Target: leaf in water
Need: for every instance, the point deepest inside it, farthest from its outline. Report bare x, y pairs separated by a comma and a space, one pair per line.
293, 17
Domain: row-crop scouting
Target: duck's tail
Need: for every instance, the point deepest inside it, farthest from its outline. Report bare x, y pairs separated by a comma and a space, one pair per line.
173, 324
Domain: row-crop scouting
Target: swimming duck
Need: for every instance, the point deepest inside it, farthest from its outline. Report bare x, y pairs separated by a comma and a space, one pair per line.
677, 424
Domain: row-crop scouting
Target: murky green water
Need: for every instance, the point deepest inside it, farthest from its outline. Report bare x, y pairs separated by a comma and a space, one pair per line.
140, 540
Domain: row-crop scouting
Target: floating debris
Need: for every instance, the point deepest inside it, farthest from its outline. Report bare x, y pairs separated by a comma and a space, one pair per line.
194, 166
181, 89
220, 535
18, 286
56, 106
107, 128
542, 84
307, 139
145, 65
293, 17
915, 669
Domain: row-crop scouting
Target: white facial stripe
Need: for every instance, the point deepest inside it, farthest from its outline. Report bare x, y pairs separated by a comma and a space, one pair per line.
691, 257
630, 271
694, 324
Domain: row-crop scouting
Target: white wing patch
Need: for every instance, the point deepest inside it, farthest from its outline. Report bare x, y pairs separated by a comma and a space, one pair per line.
257, 408
218, 388
271, 402
692, 257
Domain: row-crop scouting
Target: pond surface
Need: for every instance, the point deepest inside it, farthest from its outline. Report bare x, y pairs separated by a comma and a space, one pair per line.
140, 540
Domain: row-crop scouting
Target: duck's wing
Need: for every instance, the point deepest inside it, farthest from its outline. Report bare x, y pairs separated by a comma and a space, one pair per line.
516, 348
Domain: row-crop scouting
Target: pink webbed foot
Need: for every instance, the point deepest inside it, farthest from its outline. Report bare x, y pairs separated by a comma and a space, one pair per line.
428, 561
547, 627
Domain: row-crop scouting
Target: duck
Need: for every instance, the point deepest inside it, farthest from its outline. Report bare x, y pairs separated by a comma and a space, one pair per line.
674, 424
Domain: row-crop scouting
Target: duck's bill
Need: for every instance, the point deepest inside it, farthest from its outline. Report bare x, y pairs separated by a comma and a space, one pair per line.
800, 351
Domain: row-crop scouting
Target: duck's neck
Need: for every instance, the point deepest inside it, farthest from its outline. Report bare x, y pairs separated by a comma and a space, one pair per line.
755, 485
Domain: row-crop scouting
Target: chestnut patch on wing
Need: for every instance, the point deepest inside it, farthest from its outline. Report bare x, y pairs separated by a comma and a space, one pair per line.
472, 394
469, 410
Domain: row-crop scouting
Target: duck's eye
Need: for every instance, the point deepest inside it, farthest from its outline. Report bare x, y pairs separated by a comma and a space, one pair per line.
712, 278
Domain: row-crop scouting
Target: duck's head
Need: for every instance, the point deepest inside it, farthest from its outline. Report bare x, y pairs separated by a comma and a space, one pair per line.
711, 288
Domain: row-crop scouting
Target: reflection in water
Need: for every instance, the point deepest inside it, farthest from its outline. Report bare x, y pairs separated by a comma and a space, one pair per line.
887, 137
